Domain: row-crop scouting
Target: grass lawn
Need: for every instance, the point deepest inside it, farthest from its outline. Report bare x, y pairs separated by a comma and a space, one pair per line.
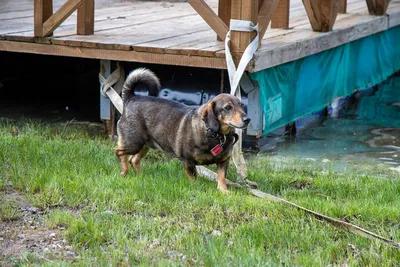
160, 218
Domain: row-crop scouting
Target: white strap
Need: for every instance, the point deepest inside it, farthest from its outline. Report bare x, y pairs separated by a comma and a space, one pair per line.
234, 78
117, 79
236, 74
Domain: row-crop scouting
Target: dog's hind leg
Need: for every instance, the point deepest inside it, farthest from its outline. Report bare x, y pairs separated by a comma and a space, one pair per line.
122, 156
190, 170
134, 160
222, 170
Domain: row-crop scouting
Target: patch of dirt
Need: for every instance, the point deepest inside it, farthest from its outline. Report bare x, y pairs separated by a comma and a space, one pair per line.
301, 184
28, 234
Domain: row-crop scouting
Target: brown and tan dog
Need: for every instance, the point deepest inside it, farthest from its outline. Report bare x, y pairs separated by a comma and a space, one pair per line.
196, 136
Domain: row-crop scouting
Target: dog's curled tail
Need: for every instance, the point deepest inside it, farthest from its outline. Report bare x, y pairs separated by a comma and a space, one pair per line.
140, 76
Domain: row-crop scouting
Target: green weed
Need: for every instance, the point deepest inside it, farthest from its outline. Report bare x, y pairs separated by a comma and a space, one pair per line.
160, 218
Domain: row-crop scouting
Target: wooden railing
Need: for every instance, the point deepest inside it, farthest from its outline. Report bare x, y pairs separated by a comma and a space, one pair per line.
45, 22
321, 13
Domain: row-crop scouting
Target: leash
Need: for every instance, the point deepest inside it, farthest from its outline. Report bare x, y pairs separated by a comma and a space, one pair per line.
235, 76
335, 222
111, 87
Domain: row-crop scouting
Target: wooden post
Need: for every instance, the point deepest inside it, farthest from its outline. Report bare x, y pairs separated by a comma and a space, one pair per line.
212, 19
377, 7
342, 6
85, 18
43, 9
267, 8
243, 10
60, 15
280, 18
106, 107
224, 12
236, 8
322, 13
249, 12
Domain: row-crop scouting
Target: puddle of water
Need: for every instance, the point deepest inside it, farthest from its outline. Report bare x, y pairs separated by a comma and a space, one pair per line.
366, 127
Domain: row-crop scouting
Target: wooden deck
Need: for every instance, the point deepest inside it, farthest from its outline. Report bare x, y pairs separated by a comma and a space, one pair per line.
174, 34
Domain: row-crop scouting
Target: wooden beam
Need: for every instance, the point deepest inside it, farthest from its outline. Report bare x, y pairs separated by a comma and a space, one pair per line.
60, 15
243, 10
260, 3
280, 18
210, 17
377, 7
265, 15
322, 13
43, 9
85, 19
224, 12
119, 55
236, 11
342, 6
249, 12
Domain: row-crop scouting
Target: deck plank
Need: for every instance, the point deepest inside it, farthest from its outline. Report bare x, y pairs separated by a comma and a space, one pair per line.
173, 33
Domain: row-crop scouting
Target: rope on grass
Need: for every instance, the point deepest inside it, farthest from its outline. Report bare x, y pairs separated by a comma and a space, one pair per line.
350, 227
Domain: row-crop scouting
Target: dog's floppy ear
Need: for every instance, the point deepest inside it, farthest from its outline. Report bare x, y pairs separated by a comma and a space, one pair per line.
209, 117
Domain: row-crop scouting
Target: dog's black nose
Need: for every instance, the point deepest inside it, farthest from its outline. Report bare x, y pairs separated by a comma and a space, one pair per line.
246, 120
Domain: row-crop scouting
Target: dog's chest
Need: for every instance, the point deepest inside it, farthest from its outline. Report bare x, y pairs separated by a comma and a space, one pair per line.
208, 158
212, 153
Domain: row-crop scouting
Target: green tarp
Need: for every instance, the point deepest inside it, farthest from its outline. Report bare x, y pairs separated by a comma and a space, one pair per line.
299, 88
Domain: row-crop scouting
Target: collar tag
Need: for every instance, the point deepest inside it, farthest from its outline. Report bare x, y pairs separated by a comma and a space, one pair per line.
216, 150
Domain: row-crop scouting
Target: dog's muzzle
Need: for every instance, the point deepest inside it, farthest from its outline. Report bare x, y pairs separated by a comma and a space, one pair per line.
245, 123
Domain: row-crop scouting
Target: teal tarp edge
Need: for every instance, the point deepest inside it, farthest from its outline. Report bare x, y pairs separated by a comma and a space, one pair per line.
299, 88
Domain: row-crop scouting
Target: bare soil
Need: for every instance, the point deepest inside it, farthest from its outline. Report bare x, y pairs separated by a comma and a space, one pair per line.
28, 234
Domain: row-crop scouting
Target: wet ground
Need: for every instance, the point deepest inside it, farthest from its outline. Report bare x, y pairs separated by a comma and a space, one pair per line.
364, 127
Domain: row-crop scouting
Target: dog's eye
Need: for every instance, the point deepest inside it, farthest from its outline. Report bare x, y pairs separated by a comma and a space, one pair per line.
228, 107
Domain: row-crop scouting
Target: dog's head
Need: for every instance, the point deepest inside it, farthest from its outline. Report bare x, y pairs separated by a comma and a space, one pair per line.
225, 112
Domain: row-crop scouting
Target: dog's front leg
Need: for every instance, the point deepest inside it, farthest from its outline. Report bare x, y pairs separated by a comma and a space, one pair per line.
121, 155
190, 170
222, 170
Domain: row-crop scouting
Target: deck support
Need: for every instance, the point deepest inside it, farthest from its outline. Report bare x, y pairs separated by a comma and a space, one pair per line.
290, 130
377, 7
342, 6
254, 111
321, 13
239, 41
85, 18
280, 18
212, 19
265, 14
107, 110
224, 12
46, 22
257, 11
43, 9
243, 10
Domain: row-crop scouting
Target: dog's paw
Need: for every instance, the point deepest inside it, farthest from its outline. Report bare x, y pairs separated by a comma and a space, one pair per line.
223, 189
